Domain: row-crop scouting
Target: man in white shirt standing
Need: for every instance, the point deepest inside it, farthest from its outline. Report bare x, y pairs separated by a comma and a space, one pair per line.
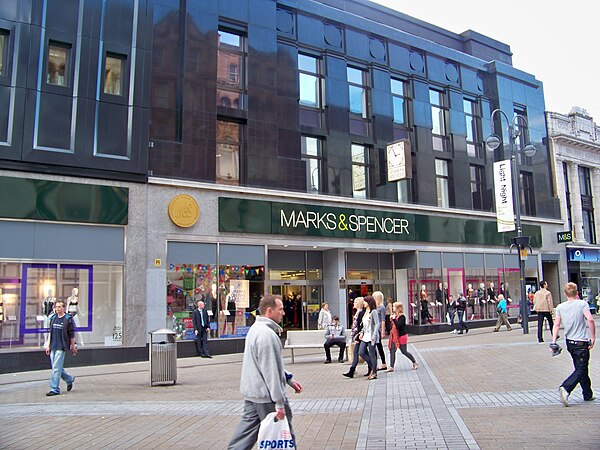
574, 313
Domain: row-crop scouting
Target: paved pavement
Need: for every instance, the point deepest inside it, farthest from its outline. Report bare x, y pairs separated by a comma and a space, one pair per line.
481, 390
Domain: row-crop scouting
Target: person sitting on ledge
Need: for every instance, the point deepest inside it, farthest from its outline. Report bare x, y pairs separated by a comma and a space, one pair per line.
335, 334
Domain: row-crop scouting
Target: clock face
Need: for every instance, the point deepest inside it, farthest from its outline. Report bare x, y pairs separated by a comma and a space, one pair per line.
396, 161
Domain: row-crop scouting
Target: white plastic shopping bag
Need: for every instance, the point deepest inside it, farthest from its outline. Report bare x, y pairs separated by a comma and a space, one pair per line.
274, 433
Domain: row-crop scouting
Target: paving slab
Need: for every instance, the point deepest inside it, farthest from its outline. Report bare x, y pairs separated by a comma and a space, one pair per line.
481, 390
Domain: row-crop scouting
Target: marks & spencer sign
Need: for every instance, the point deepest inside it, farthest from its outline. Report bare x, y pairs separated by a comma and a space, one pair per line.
297, 219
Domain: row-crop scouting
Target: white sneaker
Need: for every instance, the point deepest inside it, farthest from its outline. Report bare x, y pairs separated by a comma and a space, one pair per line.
564, 396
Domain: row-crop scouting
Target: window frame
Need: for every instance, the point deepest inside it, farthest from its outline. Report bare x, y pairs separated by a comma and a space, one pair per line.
587, 204
442, 180
527, 200
366, 166
478, 182
4, 53
68, 47
241, 54
473, 122
240, 150
316, 159
317, 74
440, 110
365, 89
403, 97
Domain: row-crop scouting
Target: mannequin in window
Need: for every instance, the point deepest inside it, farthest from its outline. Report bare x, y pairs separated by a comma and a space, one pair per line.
471, 300
491, 297
481, 300
424, 297
439, 296
48, 309
73, 311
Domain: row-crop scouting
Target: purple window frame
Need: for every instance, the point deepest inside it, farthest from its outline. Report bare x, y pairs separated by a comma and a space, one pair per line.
22, 328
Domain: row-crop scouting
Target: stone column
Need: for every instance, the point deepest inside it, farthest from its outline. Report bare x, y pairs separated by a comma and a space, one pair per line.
334, 267
596, 199
561, 191
576, 216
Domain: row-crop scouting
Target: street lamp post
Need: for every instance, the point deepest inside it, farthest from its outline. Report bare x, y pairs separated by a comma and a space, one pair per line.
521, 242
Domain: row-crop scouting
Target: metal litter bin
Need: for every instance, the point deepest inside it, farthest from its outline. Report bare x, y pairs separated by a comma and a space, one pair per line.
163, 356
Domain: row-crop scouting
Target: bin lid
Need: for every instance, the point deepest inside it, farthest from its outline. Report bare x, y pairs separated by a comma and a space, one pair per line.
162, 331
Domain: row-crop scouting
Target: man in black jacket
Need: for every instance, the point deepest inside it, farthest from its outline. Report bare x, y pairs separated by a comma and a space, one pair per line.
201, 329
60, 339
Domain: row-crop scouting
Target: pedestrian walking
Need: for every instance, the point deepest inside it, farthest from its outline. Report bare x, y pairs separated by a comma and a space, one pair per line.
399, 337
370, 336
378, 296
263, 376
451, 308
580, 335
461, 309
501, 310
543, 305
60, 339
356, 334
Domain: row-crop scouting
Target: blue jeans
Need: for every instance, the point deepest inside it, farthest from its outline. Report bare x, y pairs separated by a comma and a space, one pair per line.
581, 358
368, 352
57, 360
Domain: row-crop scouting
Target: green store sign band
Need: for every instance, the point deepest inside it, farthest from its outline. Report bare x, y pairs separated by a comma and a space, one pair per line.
296, 219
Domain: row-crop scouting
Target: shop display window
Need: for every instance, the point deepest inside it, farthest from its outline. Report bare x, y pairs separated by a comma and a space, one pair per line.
240, 290
28, 293
187, 284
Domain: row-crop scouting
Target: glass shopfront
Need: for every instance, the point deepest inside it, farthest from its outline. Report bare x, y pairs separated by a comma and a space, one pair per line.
480, 277
93, 294
298, 277
228, 278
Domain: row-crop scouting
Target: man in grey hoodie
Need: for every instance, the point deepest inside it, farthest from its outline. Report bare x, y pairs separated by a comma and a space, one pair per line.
263, 375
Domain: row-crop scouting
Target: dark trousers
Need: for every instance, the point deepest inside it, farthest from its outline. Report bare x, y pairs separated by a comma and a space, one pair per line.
340, 342
202, 342
355, 356
369, 354
580, 353
405, 352
541, 317
461, 321
381, 352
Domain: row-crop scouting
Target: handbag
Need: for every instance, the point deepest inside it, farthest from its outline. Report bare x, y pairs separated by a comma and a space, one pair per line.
499, 310
275, 433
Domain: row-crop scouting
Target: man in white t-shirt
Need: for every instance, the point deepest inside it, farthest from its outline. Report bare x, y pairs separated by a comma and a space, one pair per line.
574, 313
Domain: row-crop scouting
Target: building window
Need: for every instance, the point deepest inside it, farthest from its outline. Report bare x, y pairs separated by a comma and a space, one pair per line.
231, 63
3, 51
442, 183
568, 196
310, 78
477, 187
587, 205
113, 74
472, 120
229, 145
405, 191
360, 171
527, 194
438, 116
58, 60
523, 131
312, 154
358, 88
398, 88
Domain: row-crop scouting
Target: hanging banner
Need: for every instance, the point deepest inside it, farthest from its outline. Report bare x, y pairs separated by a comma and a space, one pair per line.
240, 293
399, 165
505, 214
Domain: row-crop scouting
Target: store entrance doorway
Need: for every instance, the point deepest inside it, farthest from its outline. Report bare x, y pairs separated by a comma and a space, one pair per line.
301, 304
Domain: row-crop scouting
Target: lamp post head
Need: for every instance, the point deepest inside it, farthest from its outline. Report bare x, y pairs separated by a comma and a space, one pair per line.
493, 142
529, 150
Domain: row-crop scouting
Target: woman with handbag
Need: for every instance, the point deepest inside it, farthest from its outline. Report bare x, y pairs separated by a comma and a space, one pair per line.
399, 337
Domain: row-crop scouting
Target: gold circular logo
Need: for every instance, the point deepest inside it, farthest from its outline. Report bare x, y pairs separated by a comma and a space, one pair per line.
184, 211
